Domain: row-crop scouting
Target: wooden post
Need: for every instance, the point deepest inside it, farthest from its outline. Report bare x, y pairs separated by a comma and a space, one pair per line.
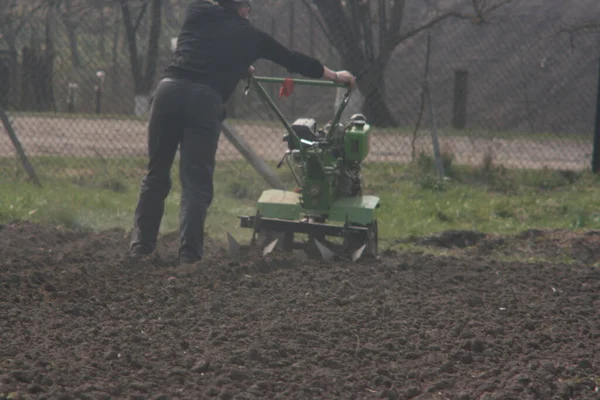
15, 140
259, 165
459, 120
596, 149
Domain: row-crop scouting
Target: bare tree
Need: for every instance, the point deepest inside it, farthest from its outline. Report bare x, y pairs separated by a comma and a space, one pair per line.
37, 67
365, 34
582, 28
143, 73
14, 17
71, 20
36, 90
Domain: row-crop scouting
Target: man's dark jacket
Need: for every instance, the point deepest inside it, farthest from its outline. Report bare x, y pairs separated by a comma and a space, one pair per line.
216, 46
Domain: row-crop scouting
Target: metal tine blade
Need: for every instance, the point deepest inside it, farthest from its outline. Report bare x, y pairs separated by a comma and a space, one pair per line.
358, 252
267, 250
327, 254
234, 246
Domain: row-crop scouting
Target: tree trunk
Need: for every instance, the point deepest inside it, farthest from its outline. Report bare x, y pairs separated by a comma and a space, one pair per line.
142, 80
102, 44
75, 58
12, 77
375, 107
27, 65
346, 37
131, 40
115, 71
46, 72
4, 82
153, 46
372, 87
71, 26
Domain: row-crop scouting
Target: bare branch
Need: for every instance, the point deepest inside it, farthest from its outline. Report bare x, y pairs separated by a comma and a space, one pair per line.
395, 41
28, 17
479, 6
482, 8
571, 31
579, 28
319, 19
140, 16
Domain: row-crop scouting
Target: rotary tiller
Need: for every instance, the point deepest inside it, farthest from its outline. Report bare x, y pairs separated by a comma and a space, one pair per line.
328, 207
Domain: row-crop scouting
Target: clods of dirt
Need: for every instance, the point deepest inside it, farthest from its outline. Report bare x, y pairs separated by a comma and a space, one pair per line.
452, 238
79, 319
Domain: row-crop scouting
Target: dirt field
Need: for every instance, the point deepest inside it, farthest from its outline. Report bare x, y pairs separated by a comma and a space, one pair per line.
79, 320
118, 138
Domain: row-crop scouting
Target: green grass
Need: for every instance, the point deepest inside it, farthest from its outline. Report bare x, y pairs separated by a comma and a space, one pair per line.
415, 202
102, 195
487, 199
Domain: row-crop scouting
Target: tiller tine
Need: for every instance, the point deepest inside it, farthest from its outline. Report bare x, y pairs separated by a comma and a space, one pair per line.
326, 254
270, 247
234, 246
356, 254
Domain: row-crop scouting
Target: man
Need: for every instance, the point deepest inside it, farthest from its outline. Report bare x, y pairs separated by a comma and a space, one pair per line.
215, 50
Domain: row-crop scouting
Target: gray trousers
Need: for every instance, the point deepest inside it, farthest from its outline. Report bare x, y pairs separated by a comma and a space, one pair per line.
187, 115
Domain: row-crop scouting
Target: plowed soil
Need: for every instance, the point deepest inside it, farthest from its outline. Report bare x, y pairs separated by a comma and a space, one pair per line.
79, 319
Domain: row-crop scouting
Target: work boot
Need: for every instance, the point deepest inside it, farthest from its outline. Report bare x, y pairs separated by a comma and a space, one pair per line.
186, 258
140, 250
188, 255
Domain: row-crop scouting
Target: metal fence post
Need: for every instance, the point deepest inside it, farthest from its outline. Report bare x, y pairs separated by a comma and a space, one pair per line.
596, 150
19, 148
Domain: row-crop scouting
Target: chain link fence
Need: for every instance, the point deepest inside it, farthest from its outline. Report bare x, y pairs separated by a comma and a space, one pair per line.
514, 84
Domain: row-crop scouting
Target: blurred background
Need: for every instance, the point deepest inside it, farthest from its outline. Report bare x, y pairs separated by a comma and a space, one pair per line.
508, 82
